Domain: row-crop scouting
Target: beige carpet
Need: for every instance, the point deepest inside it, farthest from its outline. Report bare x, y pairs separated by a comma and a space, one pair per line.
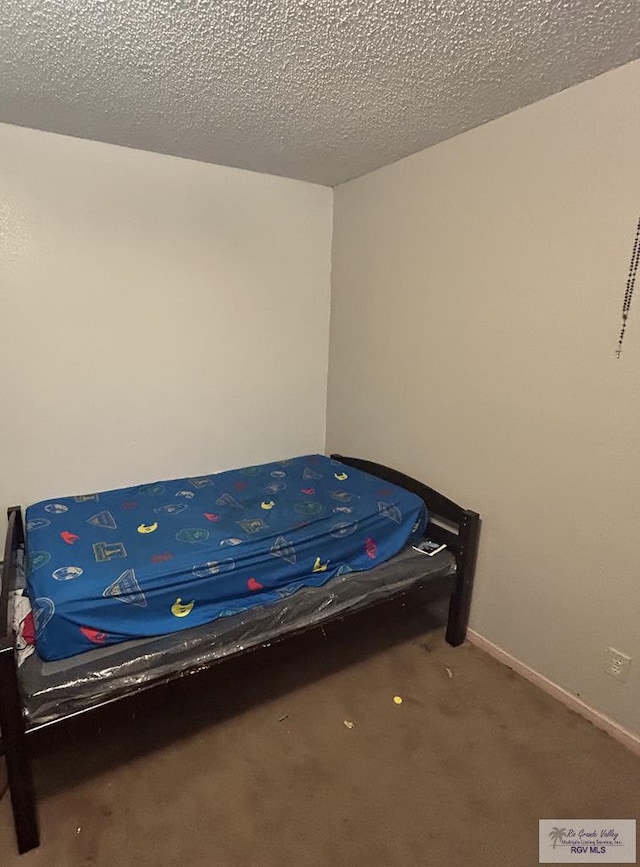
457, 775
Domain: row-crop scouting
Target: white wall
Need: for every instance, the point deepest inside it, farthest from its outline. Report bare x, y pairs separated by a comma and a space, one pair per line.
477, 291
160, 317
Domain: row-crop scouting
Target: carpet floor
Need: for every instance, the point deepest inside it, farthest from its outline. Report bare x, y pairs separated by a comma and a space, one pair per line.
260, 770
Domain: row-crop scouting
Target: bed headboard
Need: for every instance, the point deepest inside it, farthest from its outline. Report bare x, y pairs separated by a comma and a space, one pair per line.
436, 503
449, 523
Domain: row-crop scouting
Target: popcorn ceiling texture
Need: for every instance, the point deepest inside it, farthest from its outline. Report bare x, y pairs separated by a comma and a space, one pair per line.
321, 90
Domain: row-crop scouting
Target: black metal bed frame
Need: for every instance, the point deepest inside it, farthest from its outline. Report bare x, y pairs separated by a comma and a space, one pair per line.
449, 523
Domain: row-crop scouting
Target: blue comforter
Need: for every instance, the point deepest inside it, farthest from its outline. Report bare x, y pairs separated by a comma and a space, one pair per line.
149, 560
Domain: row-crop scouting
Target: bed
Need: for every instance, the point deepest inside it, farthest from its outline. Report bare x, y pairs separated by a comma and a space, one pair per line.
126, 591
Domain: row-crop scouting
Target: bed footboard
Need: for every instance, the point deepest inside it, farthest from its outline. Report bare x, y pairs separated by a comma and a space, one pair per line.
13, 740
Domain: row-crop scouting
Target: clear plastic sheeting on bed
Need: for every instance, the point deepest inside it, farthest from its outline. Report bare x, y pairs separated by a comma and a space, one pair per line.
59, 688
138, 562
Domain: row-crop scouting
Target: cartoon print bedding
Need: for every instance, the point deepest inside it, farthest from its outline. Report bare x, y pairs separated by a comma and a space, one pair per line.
154, 559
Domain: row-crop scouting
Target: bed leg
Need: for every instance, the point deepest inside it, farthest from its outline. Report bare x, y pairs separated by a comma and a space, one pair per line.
16, 752
460, 602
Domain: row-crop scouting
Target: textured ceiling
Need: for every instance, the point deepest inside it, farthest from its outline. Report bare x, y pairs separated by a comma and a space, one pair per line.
322, 90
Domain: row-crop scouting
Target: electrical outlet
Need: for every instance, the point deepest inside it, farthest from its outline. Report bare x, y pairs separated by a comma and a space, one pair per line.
617, 664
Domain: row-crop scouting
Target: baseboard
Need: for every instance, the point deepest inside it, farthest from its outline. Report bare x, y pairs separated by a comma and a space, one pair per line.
625, 737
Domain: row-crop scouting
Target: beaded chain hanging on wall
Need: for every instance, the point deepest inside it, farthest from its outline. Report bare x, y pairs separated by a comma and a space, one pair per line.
631, 282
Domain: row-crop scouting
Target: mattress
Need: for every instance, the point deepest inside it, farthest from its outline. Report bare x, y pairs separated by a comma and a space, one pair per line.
111, 567
54, 689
